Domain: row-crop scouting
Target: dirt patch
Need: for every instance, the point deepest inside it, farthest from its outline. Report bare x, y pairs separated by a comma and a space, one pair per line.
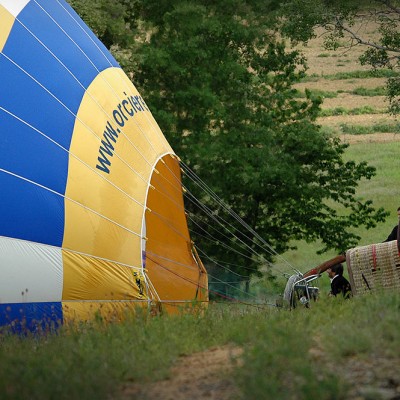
364, 119
207, 376
327, 62
199, 376
373, 378
334, 85
369, 377
371, 138
351, 102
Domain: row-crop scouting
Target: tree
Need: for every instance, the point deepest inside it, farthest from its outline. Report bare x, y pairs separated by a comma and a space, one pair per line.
339, 18
218, 80
113, 22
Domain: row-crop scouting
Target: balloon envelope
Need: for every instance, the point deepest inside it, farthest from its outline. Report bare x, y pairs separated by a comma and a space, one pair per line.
92, 214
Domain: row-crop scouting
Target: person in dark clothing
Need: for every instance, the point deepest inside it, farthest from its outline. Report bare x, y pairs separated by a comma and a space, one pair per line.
393, 234
339, 284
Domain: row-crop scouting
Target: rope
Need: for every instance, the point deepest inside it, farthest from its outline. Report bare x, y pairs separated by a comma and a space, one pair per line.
219, 201
206, 288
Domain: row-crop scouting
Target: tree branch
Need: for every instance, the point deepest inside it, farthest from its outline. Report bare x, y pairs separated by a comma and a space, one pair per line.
389, 5
360, 40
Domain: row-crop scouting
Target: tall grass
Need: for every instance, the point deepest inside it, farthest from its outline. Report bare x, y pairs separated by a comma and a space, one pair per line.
92, 361
287, 354
362, 129
305, 354
361, 91
329, 112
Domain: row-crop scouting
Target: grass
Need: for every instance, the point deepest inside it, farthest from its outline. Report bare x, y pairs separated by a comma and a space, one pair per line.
352, 129
329, 112
362, 129
361, 91
361, 74
383, 73
279, 364
317, 93
94, 361
383, 189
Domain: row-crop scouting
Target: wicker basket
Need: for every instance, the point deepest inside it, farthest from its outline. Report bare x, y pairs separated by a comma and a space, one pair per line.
373, 267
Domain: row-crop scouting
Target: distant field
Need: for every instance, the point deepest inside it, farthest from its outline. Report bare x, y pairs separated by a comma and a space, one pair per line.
325, 66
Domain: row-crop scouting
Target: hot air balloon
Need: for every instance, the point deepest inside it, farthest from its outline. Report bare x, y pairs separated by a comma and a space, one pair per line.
92, 212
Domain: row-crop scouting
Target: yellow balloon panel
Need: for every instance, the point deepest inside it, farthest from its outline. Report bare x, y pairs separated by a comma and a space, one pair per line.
114, 147
88, 278
7, 21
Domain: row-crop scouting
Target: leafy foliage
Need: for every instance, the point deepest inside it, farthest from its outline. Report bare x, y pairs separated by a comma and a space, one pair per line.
113, 22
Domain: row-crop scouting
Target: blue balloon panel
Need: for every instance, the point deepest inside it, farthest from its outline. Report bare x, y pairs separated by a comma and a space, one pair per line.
30, 212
